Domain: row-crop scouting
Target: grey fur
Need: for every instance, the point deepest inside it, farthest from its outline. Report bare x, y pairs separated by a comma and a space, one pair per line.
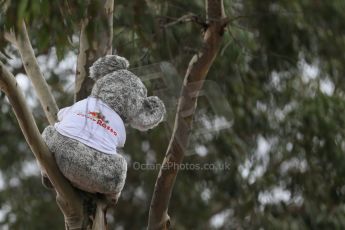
107, 64
151, 114
130, 100
86, 168
122, 91
89, 169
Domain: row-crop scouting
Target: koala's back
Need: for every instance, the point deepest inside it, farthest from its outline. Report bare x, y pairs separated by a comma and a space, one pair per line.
87, 169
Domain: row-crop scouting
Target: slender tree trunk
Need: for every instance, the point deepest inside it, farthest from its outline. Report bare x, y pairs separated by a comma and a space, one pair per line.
44, 95
96, 38
192, 84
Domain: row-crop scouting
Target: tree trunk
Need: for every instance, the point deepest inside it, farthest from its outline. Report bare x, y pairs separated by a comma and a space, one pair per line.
192, 84
34, 73
96, 38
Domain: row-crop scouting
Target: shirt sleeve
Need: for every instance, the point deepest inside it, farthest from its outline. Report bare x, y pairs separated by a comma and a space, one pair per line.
62, 113
121, 136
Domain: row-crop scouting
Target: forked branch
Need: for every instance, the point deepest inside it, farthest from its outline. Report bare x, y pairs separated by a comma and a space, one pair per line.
68, 199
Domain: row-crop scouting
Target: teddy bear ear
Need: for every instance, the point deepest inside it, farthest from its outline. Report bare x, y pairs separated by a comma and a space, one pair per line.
150, 115
106, 65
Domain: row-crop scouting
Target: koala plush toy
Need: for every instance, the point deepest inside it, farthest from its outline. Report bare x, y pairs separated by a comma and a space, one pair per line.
88, 135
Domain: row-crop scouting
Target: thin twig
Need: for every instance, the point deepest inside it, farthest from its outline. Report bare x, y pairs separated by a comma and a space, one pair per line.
190, 17
10, 37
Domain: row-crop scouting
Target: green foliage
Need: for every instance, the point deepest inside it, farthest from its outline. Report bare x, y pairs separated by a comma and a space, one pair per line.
50, 23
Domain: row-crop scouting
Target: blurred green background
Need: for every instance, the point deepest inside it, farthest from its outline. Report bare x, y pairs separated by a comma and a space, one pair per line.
273, 109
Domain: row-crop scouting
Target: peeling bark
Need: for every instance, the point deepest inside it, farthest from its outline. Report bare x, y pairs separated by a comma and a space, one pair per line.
192, 84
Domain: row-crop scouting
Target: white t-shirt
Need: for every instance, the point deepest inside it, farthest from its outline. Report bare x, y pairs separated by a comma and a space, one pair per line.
94, 124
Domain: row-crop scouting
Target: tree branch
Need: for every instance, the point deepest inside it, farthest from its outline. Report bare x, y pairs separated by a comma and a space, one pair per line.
99, 222
192, 84
190, 17
33, 71
68, 199
10, 37
96, 38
